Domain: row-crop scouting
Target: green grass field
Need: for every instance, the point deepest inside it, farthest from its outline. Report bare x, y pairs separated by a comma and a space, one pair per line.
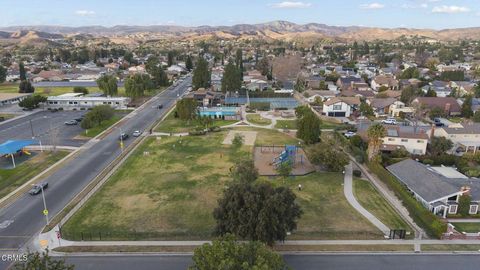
170, 192
14, 178
258, 120
286, 124
369, 198
103, 126
176, 125
52, 91
467, 227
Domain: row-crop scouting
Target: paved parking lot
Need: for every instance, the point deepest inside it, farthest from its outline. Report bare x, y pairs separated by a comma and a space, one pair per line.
48, 127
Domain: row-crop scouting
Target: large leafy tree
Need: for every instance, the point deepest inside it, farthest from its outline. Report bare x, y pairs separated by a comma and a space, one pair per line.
23, 73
244, 171
201, 74
257, 212
309, 127
227, 253
136, 85
32, 102
186, 108
263, 65
159, 76
231, 79
439, 145
328, 155
108, 84
3, 74
467, 111
375, 134
189, 63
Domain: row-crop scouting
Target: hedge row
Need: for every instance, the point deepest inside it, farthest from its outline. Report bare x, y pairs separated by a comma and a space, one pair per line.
432, 225
261, 106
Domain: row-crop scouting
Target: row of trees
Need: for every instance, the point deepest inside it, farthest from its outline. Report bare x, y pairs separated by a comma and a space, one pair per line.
96, 116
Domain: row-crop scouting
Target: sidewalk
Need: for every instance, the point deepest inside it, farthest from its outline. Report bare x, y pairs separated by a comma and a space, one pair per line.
463, 220
390, 197
348, 191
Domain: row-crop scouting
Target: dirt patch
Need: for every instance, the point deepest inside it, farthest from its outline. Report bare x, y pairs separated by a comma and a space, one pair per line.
249, 137
265, 158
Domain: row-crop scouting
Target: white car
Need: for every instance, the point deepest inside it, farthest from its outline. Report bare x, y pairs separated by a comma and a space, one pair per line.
349, 134
389, 121
136, 133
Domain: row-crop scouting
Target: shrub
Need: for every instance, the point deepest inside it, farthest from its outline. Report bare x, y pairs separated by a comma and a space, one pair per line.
357, 173
237, 140
80, 89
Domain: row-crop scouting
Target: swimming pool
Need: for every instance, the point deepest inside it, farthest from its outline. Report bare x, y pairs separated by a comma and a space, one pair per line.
219, 111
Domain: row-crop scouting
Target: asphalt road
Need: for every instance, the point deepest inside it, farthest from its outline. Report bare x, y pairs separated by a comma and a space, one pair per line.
23, 219
44, 124
300, 262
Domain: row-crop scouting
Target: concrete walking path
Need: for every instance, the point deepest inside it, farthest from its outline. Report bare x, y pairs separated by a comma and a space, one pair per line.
348, 191
463, 220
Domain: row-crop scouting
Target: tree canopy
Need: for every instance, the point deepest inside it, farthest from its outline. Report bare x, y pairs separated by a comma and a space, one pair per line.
308, 126
328, 155
201, 74
231, 80
227, 253
3, 74
108, 84
257, 212
137, 84
375, 134
186, 108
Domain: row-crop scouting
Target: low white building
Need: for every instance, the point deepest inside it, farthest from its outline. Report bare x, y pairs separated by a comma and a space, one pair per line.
340, 106
77, 102
11, 98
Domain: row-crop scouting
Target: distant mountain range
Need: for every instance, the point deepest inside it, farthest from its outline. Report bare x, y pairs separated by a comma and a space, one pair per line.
271, 30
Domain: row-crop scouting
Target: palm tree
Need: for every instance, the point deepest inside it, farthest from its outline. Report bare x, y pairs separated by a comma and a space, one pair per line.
375, 134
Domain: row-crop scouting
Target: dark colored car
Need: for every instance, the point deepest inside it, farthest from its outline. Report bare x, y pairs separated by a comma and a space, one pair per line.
160, 106
38, 188
123, 136
54, 110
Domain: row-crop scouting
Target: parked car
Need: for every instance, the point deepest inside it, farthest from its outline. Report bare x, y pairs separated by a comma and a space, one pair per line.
54, 110
38, 188
79, 119
389, 121
349, 134
438, 122
136, 133
71, 123
160, 106
123, 137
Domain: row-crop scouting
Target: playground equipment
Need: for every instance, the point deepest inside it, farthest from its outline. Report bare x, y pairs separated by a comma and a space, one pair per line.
287, 156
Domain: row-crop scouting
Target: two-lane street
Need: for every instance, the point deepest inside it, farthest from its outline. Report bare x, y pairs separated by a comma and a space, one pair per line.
23, 218
297, 262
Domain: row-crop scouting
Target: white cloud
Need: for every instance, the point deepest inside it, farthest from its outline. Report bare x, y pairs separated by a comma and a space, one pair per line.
85, 12
372, 6
289, 4
450, 9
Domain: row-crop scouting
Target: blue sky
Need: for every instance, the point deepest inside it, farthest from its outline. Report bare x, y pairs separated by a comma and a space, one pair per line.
436, 14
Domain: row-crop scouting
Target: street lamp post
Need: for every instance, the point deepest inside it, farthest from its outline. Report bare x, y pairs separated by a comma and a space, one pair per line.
45, 211
121, 137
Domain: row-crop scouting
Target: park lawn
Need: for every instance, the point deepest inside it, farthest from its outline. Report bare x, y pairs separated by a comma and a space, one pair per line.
175, 125
329, 125
55, 91
326, 212
468, 227
286, 124
14, 178
103, 126
6, 116
257, 119
271, 136
169, 193
369, 198
8, 88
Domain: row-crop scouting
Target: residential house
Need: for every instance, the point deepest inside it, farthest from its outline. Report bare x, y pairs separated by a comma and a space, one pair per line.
412, 139
465, 136
323, 94
381, 106
440, 188
341, 106
448, 104
345, 82
207, 98
49, 75
441, 88
399, 107
463, 87
386, 81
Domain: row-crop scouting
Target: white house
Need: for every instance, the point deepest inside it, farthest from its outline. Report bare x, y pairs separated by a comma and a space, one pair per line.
340, 106
465, 136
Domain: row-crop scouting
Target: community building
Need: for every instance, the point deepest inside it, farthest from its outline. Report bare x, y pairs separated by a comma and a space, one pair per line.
74, 101
11, 98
